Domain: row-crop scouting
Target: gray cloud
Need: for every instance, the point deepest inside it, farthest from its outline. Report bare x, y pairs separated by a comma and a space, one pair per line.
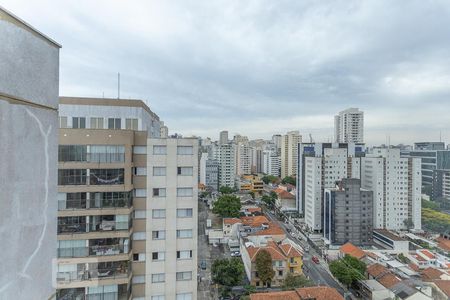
260, 67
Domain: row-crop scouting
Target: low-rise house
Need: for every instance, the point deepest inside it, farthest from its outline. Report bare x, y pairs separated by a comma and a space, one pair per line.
352, 250
286, 258
285, 201
441, 289
431, 274
308, 293
389, 240
411, 290
372, 289
382, 274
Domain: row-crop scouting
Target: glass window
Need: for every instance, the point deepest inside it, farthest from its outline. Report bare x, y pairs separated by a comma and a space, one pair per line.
107, 153
139, 171
139, 150
78, 122
159, 213
72, 177
158, 256
185, 150
184, 276
72, 153
159, 234
62, 122
140, 192
184, 233
184, 296
114, 123
159, 150
159, 192
185, 171
159, 297
97, 123
131, 124
186, 254
184, 192
138, 279
106, 176
159, 171
160, 277
184, 212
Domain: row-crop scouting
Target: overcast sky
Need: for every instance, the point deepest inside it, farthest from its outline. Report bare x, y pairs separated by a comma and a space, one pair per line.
260, 67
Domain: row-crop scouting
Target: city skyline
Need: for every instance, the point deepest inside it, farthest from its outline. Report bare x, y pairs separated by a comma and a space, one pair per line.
332, 56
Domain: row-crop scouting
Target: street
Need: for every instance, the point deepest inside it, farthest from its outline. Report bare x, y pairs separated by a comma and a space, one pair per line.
316, 272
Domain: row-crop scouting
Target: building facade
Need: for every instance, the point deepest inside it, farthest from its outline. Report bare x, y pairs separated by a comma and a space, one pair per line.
225, 155
172, 213
289, 153
348, 213
212, 174
349, 126
223, 139
29, 83
441, 185
320, 166
396, 185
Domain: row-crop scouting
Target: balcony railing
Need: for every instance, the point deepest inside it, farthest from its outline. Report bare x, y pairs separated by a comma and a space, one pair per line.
96, 274
102, 250
93, 204
76, 228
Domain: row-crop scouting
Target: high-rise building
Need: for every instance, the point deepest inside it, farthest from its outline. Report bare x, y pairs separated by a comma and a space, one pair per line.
276, 140
441, 185
348, 213
225, 155
170, 234
126, 198
164, 132
212, 174
396, 185
433, 157
29, 81
289, 155
202, 167
243, 159
320, 166
271, 162
349, 126
223, 137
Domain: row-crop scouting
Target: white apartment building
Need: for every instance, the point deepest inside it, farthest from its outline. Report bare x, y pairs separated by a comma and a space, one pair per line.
225, 155
171, 233
223, 139
271, 162
202, 167
349, 126
289, 155
396, 184
244, 159
320, 166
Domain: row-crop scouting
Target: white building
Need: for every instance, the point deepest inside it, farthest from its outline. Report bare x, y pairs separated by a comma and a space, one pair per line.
271, 162
223, 137
225, 155
244, 159
289, 155
320, 166
202, 167
349, 126
396, 184
171, 233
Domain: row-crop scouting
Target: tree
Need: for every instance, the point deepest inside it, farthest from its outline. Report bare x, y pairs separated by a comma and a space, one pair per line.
273, 195
249, 289
292, 282
288, 179
227, 206
408, 223
263, 262
270, 179
252, 193
227, 272
268, 201
226, 190
348, 270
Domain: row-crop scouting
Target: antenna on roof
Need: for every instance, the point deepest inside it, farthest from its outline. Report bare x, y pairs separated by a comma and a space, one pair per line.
440, 135
118, 85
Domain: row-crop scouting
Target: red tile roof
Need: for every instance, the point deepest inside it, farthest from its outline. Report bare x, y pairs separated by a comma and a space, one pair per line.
271, 247
285, 195
352, 250
431, 274
388, 280
254, 221
443, 243
444, 286
274, 229
231, 220
376, 270
289, 250
317, 293
428, 254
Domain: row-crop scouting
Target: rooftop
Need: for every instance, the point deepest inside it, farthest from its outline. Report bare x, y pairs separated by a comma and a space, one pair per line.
430, 274
388, 234
317, 293
352, 250
444, 286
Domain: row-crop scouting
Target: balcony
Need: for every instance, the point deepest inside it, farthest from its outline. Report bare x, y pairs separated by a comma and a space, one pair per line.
100, 271
77, 225
94, 204
114, 246
121, 293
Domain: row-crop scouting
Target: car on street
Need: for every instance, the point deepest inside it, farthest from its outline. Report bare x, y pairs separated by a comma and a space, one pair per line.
236, 254
203, 265
315, 259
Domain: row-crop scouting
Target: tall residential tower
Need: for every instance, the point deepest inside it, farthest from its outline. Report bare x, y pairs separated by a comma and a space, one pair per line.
349, 126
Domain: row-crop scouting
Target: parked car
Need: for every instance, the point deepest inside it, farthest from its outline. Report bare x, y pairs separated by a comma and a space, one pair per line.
315, 259
203, 265
236, 254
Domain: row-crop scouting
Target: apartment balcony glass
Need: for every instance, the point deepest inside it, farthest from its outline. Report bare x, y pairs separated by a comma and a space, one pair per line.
106, 176
72, 177
92, 153
102, 292
97, 247
97, 200
78, 224
93, 271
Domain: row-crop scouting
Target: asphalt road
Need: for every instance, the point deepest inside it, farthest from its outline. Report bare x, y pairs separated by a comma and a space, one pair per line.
318, 273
